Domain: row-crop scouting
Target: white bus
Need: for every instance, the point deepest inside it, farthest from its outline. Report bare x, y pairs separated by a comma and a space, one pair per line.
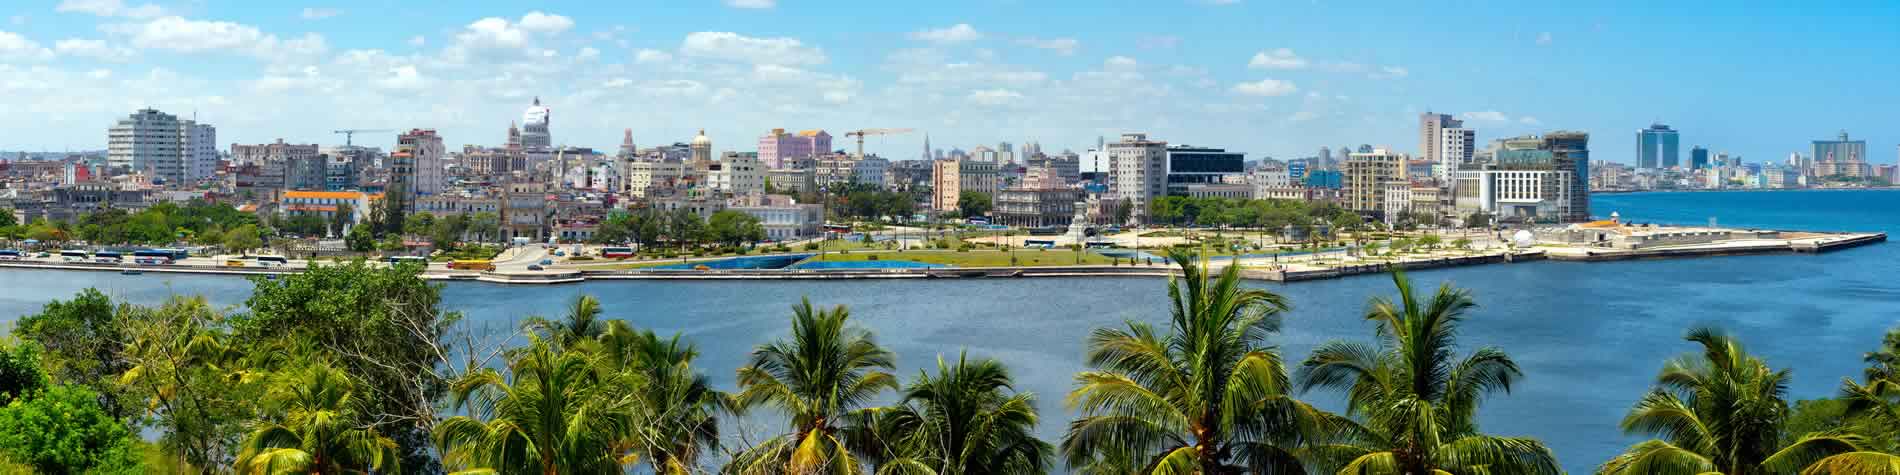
268, 261
74, 256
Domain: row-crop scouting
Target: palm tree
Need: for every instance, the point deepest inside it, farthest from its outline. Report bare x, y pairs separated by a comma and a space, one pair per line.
582, 323
556, 412
1209, 397
320, 430
825, 371
1722, 411
1417, 401
963, 421
676, 408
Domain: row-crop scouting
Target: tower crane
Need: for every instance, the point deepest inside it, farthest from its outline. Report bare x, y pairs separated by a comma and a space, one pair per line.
861, 133
350, 134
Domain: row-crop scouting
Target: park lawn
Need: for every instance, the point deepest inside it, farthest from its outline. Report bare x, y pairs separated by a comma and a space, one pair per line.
1026, 258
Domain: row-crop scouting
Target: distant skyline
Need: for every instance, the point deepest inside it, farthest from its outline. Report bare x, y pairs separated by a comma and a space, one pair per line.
1273, 79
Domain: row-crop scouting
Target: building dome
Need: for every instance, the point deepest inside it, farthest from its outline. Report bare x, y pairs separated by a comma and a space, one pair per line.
702, 139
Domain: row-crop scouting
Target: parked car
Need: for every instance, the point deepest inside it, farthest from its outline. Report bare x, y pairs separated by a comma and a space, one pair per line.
547, 262
535, 267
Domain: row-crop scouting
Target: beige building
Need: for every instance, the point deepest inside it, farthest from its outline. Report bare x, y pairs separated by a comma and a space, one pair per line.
951, 177
1366, 176
737, 173
1137, 171
645, 175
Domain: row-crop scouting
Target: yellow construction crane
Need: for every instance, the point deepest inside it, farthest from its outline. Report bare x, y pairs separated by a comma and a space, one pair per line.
861, 133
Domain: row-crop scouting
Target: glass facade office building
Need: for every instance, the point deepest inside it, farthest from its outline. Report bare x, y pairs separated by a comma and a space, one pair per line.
1656, 147
1190, 165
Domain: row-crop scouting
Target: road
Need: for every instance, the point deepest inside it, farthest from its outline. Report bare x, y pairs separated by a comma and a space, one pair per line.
518, 258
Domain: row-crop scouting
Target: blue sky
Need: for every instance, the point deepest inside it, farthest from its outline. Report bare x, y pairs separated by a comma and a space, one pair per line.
1276, 79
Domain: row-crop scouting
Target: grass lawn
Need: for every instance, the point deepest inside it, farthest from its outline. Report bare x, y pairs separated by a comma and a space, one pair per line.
1052, 257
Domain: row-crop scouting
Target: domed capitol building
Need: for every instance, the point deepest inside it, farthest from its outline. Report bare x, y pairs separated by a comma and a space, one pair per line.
534, 128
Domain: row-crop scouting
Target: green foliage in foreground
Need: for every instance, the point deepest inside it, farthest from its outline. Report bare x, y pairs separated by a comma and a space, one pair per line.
345, 370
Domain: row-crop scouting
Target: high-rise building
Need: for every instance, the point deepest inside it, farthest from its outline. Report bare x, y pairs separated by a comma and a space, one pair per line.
1430, 133
1365, 177
777, 146
1542, 179
161, 146
1325, 155
1457, 147
1189, 165
927, 155
1656, 147
417, 166
1698, 158
1137, 171
200, 150
1841, 157
534, 127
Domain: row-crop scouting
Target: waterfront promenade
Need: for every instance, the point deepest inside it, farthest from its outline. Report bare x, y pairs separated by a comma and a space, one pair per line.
512, 265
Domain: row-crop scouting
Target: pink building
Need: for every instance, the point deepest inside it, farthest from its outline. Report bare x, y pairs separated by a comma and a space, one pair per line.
776, 146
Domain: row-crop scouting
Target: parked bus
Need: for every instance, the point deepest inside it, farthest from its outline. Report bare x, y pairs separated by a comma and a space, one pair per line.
153, 256
837, 228
177, 254
400, 260
107, 257
268, 261
481, 265
75, 256
11, 255
616, 252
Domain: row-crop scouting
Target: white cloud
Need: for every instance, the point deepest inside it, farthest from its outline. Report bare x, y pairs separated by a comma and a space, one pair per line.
651, 56
538, 22
730, 46
99, 73
994, 97
14, 46
1543, 38
1487, 116
95, 49
196, 36
1528, 120
751, 3
403, 78
1063, 46
588, 54
1391, 72
418, 40
957, 33
673, 88
617, 83
1266, 88
320, 13
109, 8
1282, 58
1120, 63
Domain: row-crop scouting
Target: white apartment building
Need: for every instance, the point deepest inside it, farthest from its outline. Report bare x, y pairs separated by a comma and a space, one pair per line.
1456, 146
1512, 193
645, 175
737, 173
200, 151
1137, 171
871, 171
160, 144
425, 148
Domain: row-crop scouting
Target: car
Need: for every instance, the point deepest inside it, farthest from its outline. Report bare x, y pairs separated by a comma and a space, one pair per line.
547, 262
560, 253
535, 267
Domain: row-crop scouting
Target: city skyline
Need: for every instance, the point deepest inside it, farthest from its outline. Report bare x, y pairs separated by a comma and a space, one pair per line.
1268, 80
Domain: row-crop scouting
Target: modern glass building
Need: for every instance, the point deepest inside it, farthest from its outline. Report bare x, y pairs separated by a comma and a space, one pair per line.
1698, 158
1656, 147
1189, 165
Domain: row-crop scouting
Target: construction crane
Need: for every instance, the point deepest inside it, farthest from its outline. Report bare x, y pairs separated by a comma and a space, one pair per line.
861, 133
349, 135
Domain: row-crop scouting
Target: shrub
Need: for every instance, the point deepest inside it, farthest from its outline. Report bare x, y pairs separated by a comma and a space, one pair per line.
581, 258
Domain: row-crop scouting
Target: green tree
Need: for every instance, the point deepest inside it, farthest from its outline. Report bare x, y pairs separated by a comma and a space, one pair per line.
554, 412
243, 239
581, 324
315, 424
964, 420
20, 373
84, 341
418, 224
1417, 400
1478, 220
1124, 211
63, 430
360, 239
341, 219
1721, 410
1209, 396
676, 408
384, 327
486, 226
973, 204
732, 228
825, 371
198, 391
685, 227
7, 219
